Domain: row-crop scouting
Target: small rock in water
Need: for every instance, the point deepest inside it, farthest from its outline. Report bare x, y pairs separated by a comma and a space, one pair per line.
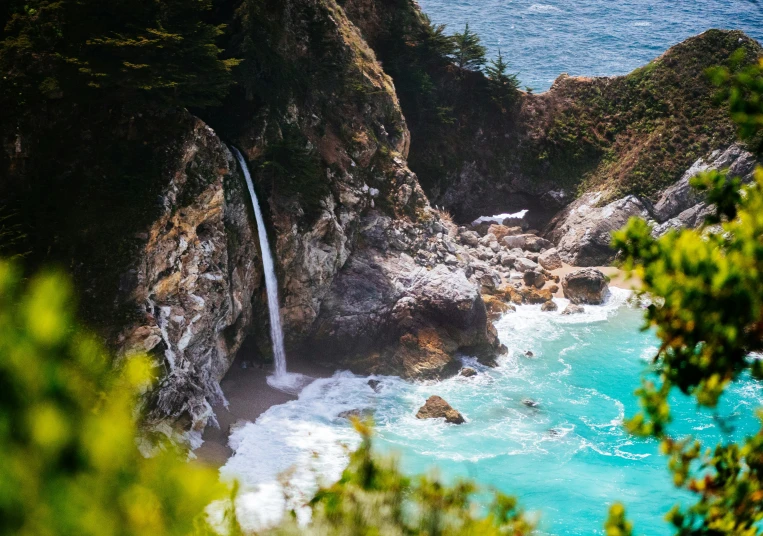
549, 306
375, 385
573, 309
468, 372
245, 364
435, 408
528, 353
555, 432
530, 403
357, 413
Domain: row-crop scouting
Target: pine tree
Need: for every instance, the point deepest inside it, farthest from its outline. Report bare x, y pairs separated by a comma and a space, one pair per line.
124, 52
468, 53
504, 86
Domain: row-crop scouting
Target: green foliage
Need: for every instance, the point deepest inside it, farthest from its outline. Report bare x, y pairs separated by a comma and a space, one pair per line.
504, 86
373, 497
468, 54
70, 464
741, 85
617, 524
638, 133
707, 291
124, 52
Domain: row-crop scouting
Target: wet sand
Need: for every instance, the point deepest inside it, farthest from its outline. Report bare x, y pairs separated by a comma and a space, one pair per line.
249, 396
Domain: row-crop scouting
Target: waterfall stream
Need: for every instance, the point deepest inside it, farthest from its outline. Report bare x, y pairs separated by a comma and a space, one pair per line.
281, 379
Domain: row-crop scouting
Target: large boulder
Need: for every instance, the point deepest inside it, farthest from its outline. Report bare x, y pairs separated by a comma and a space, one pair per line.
470, 238
500, 231
587, 286
524, 265
437, 408
681, 196
385, 314
536, 243
583, 230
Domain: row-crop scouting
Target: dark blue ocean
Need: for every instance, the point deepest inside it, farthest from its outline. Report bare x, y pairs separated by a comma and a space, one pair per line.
589, 37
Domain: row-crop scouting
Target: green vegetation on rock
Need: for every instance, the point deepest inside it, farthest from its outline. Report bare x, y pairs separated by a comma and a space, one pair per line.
707, 291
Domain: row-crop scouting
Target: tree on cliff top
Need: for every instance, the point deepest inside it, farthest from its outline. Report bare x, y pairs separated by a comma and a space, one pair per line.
127, 53
707, 290
468, 53
504, 86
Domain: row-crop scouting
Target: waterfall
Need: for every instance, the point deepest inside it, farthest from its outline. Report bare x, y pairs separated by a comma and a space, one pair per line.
281, 380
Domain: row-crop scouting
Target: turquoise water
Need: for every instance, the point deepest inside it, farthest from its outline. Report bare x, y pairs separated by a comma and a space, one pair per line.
567, 460
589, 37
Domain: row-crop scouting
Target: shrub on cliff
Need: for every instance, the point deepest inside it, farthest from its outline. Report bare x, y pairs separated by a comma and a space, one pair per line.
468, 53
708, 312
504, 86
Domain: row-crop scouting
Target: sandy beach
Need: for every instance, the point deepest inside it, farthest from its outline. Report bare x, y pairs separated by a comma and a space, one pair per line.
249, 395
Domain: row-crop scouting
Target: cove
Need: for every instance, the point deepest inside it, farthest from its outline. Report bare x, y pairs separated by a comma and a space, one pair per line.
567, 459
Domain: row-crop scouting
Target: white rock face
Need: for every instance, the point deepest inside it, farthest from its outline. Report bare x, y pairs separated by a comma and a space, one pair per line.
583, 231
681, 206
194, 290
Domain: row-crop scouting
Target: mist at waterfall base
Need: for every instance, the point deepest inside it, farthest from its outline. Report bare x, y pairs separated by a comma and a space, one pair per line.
281, 379
542, 40
568, 459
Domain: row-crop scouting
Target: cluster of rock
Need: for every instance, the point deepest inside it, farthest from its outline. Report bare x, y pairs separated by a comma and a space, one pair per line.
583, 229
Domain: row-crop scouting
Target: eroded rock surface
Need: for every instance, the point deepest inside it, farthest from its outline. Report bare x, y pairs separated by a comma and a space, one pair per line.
582, 231
194, 280
387, 314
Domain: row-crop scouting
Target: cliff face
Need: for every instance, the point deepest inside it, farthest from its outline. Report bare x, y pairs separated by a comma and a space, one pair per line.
627, 135
153, 221
344, 253
194, 279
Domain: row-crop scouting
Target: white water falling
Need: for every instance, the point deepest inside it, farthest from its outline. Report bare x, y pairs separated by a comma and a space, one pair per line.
281, 380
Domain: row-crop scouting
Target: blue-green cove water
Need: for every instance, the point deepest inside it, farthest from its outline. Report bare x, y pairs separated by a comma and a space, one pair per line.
543, 39
567, 459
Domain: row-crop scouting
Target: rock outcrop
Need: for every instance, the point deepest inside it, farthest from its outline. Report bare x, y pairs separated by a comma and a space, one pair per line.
587, 286
194, 279
387, 314
582, 231
681, 206
573, 309
437, 408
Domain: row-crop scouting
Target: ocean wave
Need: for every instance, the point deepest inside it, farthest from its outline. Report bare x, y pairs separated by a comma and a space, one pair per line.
543, 8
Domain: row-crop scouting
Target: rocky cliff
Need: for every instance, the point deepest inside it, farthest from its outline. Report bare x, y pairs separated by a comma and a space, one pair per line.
148, 212
152, 219
620, 136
